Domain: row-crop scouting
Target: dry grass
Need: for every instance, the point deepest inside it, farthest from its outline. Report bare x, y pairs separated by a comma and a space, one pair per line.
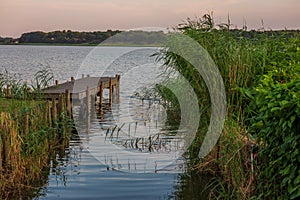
26, 142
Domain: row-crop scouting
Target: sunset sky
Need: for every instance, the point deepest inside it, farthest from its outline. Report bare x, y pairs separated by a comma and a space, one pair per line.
19, 16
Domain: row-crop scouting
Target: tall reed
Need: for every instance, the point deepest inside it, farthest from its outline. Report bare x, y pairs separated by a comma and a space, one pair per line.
241, 57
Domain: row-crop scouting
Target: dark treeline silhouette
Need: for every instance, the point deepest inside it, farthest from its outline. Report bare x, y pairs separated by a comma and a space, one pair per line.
8, 40
89, 38
67, 37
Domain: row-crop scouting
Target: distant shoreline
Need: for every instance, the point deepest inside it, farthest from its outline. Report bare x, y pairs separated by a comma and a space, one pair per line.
85, 45
74, 38
47, 44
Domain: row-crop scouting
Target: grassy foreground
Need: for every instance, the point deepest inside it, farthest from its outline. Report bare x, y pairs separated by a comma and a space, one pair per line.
8, 105
28, 138
30, 132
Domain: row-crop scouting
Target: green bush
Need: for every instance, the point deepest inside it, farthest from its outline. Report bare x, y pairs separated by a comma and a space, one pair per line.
277, 127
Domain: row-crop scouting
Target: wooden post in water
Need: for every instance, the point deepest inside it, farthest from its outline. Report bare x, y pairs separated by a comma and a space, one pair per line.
68, 103
88, 107
95, 100
96, 96
118, 87
118, 84
110, 91
88, 97
100, 100
101, 94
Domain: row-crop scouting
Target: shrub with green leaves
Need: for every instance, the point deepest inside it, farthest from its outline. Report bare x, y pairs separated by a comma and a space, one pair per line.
277, 127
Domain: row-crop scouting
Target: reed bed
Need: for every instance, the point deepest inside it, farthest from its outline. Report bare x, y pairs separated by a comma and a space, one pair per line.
28, 137
244, 59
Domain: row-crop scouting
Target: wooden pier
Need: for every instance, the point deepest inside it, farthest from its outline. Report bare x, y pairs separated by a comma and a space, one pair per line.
85, 90
84, 87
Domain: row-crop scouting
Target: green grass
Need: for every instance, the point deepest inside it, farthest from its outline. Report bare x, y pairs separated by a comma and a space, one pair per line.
9, 105
25, 152
29, 133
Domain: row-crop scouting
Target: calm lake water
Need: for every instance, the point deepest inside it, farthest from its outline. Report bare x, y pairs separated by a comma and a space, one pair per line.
98, 164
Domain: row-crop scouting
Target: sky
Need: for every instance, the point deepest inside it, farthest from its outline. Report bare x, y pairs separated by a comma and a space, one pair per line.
20, 16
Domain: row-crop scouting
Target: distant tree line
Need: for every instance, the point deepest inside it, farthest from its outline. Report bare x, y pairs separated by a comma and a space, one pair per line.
67, 37
8, 40
97, 37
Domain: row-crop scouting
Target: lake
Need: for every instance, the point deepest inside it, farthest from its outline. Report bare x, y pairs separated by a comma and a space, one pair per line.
98, 164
